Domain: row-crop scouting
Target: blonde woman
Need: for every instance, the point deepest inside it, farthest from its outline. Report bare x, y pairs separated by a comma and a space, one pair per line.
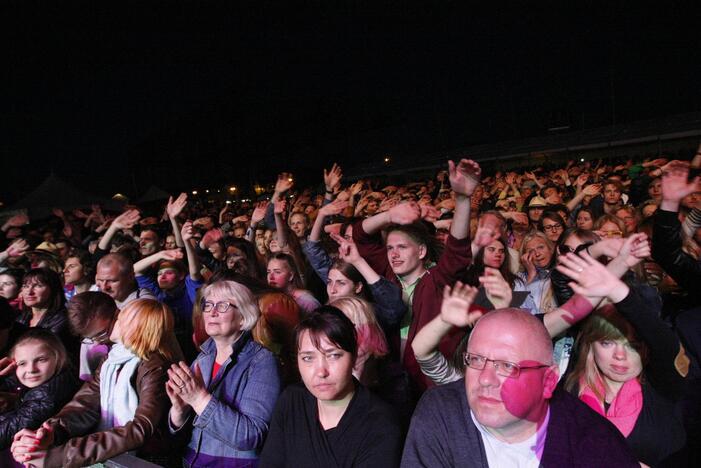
631, 367
123, 409
372, 344
538, 257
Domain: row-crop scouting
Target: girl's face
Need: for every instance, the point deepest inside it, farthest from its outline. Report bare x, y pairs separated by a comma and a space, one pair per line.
584, 221
279, 274
617, 360
338, 285
9, 289
540, 251
494, 254
35, 293
36, 363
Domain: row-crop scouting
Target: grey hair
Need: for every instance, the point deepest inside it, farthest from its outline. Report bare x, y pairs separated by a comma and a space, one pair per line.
239, 295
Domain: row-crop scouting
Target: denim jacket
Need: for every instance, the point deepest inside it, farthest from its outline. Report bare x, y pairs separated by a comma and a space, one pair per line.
389, 306
231, 429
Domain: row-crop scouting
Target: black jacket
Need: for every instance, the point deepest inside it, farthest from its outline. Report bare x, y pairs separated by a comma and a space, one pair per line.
35, 405
667, 251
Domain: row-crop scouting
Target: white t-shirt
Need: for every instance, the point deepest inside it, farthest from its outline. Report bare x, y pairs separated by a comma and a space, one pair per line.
525, 454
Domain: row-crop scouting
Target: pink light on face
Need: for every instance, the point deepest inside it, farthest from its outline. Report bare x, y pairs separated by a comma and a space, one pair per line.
525, 396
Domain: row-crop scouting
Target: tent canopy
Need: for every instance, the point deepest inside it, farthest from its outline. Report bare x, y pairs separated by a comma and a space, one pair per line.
55, 192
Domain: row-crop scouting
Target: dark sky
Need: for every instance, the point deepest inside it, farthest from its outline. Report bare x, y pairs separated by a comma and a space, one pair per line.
194, 94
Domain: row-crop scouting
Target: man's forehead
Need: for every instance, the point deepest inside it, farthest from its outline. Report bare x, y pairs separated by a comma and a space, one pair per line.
501, 337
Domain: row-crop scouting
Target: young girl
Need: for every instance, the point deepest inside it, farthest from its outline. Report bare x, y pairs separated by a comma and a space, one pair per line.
284, 275
42, 383
123, 408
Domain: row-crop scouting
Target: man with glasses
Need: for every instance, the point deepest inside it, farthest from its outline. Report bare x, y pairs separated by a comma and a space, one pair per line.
506, 412
91, 315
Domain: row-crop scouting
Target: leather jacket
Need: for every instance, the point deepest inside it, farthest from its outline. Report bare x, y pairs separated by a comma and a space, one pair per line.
33, 405
76, 443
667, 252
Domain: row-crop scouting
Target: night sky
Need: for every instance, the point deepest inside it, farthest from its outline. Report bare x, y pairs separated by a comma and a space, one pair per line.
199, 94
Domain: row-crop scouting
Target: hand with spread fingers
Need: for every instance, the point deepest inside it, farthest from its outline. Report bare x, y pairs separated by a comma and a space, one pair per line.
498, 290
591, 278
455, 309
464, 177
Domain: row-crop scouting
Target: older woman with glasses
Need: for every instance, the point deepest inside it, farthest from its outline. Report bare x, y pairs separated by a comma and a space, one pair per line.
225, 399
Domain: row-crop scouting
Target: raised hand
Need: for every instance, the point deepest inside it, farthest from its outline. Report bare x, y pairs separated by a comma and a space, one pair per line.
675, 183
429, 213
284, 182
498, 290
172, 254
347, 250
279, 206
635, 249
455, 309
464, 177
356, 188
127, 220
484, 236
259, 212
592, 190
581, 179
343, 195
17, 248
335, 207
58, 212
332, 178
175, 207
187, 232
591, 278
405, 213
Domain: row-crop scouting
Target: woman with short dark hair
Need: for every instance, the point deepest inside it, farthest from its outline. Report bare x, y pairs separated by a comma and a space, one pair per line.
330, 420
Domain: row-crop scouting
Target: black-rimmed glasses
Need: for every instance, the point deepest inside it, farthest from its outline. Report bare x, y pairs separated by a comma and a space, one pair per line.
219, 307
503, 368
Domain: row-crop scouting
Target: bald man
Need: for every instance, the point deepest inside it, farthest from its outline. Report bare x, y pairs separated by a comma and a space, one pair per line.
506, 412
114, 276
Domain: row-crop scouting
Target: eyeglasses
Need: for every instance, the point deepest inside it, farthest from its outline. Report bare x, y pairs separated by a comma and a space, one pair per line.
503, 368
100, 337
220, 307
552, 227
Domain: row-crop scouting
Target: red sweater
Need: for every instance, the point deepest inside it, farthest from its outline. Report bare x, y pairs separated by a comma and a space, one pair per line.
428, 294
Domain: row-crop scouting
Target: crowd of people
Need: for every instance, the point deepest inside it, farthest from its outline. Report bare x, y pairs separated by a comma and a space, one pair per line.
543, 317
